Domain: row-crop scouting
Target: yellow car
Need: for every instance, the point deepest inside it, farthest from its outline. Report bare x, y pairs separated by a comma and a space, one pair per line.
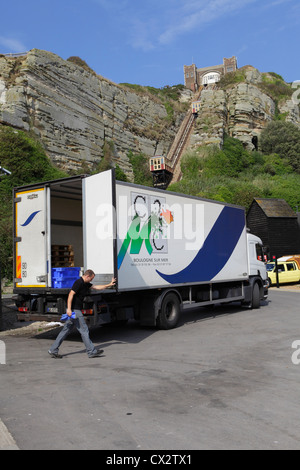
288, 271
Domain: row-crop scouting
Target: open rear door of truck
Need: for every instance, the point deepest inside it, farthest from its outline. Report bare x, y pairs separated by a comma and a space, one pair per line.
99, 229
31, 238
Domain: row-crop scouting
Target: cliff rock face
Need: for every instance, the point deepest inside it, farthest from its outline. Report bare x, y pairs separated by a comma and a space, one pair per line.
241, 111
73, 111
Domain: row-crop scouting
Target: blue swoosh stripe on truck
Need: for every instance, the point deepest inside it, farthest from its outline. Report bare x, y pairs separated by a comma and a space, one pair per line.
27, 222
216, 250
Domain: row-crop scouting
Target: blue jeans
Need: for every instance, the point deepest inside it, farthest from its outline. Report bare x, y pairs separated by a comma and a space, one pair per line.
81, 326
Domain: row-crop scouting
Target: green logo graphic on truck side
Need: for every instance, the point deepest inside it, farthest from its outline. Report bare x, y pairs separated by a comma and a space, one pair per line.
137, 234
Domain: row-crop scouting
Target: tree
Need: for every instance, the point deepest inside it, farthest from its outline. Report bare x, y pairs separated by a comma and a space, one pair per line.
25, 158
235, 175
27, 161
282, 138
229, 161
140, 168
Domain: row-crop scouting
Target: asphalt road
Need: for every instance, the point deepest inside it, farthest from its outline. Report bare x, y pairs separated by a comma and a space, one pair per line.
224, 379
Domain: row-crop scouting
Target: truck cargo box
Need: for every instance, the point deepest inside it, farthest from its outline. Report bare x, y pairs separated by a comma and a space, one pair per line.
150, 240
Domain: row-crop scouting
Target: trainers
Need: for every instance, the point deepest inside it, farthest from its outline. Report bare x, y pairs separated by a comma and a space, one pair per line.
96, 353
54, 355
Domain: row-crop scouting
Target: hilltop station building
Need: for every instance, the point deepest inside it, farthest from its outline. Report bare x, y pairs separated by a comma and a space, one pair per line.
194, 77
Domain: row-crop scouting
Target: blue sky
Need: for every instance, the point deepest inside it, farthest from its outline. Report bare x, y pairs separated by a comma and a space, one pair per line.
148, 41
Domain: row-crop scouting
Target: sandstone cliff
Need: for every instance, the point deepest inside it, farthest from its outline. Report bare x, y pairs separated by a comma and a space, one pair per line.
73, 111
241, 110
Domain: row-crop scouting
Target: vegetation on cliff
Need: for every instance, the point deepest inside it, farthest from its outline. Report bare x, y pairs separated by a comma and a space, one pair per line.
169, 96
235, 175
25, 158
269, 83
81, 63
283, 139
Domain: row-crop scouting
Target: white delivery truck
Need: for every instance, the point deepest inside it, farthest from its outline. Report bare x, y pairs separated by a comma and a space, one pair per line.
168, 251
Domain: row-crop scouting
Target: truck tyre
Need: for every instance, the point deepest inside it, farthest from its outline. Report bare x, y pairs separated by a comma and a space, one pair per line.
255, 303
169, 312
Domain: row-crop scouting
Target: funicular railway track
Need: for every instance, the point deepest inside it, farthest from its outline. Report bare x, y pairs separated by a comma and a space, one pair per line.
179, 143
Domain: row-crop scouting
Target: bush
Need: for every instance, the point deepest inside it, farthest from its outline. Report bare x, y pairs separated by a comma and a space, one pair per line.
232, 78
191, 165
81, 63
282, 138
25, 158
275, 165
287, 187
229, 161
273, 85
140, 167
236, 176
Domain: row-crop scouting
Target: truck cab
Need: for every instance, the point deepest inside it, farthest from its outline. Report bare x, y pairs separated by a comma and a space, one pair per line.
257, 266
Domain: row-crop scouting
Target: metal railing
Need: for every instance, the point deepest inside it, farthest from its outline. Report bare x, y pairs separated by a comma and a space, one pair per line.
15, 54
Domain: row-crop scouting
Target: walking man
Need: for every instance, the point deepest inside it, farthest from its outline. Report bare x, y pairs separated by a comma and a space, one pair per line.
79, 290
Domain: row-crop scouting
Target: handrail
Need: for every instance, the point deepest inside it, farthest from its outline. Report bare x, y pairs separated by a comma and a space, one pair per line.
15, 54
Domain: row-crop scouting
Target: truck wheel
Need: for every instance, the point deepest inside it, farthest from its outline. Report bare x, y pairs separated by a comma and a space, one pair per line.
169, 313
255, 296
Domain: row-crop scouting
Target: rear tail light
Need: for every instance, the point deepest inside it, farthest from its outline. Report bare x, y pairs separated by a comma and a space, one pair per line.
87, 311
23, 309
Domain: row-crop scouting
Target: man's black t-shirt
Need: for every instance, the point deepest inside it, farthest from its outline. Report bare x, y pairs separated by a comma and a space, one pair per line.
81, 289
